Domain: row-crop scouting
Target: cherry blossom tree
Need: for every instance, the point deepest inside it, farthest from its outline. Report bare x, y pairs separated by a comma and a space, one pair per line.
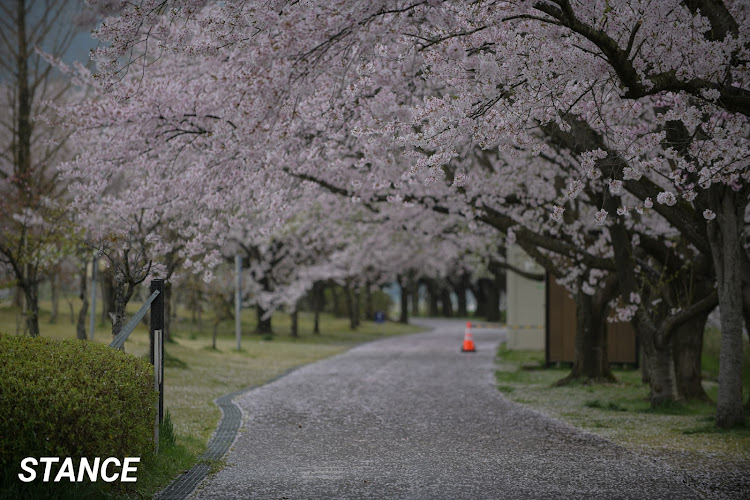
555, 122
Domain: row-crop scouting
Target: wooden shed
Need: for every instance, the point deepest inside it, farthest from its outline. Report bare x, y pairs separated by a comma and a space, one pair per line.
560, 335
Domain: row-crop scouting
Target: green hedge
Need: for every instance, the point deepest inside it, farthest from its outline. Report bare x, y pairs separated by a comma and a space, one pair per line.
73, 398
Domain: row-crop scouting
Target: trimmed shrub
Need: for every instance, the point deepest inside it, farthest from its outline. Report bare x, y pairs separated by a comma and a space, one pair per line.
73, 398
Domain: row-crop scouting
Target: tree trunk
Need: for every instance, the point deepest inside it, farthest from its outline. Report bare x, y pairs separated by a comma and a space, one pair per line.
356, 306
318, 303
336, 296
445, 299
481, 299
461, 294
369, 308
107, 287
404, 302
663, 384
350, 307
123, 294
31, 294
81, 324
688, 346
55, 296
591, 362
18, 299
295, 331
432, 296
215, 330
644, 361
493, 302
264, 325
724, 236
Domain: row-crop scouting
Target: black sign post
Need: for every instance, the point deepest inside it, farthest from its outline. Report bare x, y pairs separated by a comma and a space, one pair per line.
156, 339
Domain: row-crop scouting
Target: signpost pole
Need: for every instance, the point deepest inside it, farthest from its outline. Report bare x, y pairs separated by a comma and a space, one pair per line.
156, 337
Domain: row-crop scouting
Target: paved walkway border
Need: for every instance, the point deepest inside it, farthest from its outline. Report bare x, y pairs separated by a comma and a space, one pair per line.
217, 447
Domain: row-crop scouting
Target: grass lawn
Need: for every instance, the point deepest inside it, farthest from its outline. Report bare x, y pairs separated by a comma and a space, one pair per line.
682, 434
195, 374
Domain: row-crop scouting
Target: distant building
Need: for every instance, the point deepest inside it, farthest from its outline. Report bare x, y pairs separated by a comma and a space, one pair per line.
526, 303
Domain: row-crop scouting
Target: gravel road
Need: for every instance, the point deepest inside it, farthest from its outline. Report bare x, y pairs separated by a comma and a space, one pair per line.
413, 417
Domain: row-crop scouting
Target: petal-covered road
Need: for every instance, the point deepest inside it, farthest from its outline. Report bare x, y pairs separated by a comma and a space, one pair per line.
413, 417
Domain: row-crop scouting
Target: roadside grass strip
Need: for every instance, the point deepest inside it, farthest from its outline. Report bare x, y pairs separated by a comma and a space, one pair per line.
200, 381
681, 435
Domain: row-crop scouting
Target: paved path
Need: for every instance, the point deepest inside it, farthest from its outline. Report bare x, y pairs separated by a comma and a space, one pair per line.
413, 417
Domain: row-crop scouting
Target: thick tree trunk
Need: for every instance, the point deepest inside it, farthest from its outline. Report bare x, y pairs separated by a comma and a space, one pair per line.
724, 236
663, 383
264, 325
591, 362
688, 346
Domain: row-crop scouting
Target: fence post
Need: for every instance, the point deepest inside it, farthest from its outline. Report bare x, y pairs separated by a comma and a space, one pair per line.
156, 339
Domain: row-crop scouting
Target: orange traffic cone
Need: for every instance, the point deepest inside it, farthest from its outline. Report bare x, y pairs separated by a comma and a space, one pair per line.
468, 341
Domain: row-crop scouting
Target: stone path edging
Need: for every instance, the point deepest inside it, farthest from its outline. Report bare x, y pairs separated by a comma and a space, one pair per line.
217, 447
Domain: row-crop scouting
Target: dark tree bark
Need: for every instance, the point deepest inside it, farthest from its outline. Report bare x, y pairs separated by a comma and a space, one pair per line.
293, 317
724, 235
481, 299
404, 302
54, 281
688, 346
106, 282
336, 296
369, 308
492, 294
591, 363
432, 298
445, 300
357, 297
264, 325
350, 307
319, 299
31, 294
460, 289
81, 324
